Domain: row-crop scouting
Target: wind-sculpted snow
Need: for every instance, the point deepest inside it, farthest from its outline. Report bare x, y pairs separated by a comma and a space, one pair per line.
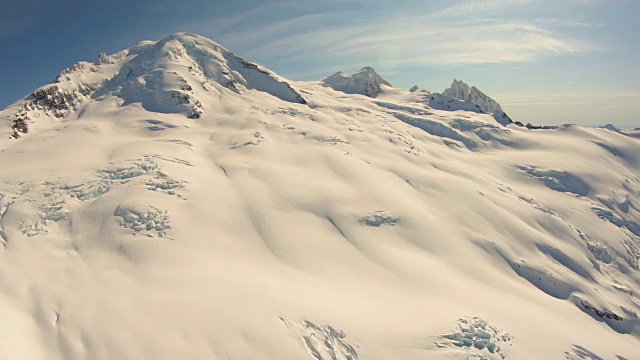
617, 152
436, 128
544, 280
191, 206
408, 109
580, 353
561, 181
323, 342
565, 260
616, 220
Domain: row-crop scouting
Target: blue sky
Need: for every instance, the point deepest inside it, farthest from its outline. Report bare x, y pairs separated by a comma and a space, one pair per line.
545, 61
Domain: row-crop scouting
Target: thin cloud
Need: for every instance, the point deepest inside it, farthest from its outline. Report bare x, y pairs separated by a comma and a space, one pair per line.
508, 98
478, 6
604, 98
458, 35
422, 43
254, 37
550, 102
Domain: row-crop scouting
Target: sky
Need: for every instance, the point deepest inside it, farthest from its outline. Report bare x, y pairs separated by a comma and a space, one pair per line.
544, 61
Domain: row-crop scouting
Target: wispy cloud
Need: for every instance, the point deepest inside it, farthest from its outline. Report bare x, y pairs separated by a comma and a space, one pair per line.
548, 102
604, 98
465, 33
419, 42
478, 6
510, 98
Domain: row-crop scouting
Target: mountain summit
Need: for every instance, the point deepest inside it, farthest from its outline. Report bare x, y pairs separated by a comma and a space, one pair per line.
175, 201
173, 75
460, 96
462, 91
366, 82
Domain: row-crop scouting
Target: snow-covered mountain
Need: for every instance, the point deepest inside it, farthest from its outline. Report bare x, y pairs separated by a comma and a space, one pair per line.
366, 82
145, 75
461, 96
176, 201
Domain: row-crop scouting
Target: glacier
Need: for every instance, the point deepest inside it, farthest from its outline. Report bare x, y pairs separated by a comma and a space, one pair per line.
174, 200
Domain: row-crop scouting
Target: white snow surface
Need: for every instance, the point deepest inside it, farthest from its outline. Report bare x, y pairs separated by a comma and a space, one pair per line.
193, 205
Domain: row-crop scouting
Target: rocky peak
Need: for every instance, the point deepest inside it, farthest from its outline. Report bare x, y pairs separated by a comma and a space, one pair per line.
365, 82
609, 127
103, 58
461, 91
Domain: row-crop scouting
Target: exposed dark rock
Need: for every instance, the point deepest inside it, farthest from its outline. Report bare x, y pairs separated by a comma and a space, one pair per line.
604, 314
50, 99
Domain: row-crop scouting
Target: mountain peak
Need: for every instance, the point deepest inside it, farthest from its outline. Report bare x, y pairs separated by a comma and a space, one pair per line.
365, 82
173, 75
208, 66
368, 70
609, 127
187, 37
461, 91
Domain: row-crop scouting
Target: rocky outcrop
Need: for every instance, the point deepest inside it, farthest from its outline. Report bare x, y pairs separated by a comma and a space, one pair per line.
50, 100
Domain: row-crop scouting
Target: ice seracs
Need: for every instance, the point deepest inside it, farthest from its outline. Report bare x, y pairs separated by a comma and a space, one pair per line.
365, 82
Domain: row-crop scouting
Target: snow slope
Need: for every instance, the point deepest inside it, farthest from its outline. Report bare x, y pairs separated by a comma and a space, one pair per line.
195, 205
